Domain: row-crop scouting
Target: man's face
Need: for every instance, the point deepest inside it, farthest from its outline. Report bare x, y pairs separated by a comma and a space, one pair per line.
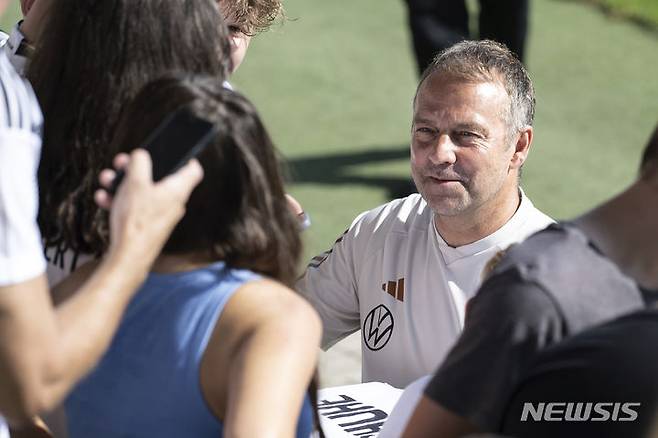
460, 149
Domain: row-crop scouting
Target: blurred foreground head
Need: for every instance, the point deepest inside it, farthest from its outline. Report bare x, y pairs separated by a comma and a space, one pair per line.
93, 58
239, 212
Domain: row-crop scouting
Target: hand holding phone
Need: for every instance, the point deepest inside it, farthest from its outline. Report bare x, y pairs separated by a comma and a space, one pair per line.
180, 137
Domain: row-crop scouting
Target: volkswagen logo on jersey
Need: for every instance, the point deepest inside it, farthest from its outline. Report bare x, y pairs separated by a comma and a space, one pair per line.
378, 328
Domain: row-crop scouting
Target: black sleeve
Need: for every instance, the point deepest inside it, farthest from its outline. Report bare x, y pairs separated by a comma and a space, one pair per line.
507, 322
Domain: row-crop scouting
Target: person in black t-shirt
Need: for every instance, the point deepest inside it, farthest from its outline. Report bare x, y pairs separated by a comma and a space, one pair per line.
559, 282
602, 382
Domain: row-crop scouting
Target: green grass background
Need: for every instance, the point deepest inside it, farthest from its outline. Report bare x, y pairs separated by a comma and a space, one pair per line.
645, 10
334, 85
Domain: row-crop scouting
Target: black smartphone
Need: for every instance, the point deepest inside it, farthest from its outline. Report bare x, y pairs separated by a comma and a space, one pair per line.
180, 137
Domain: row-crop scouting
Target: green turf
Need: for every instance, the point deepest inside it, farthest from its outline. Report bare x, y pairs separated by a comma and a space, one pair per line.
335, 85
10, 17
645, 11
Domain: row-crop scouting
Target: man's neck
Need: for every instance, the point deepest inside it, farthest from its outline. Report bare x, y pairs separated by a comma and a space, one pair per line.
625, 229
488, 218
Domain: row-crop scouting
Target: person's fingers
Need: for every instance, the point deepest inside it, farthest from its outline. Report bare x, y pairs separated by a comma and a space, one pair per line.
121, 161
103, 199
106, 177
294, 205
139, 167
184, 180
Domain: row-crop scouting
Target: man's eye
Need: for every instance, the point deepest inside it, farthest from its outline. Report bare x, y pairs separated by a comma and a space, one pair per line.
467, 134
234, 29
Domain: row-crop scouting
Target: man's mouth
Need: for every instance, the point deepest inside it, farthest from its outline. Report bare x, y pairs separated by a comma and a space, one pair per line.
442, 180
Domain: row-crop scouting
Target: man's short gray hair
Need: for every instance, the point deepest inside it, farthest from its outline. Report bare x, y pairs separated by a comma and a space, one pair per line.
489, 61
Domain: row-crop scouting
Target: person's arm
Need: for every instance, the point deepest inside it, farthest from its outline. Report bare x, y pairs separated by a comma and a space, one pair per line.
330, 285
430, 419
507, 323
266, 341
43, 350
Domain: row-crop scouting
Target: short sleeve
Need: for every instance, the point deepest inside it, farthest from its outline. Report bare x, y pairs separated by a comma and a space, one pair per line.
330, 285
21, 252
507, 323
14, 47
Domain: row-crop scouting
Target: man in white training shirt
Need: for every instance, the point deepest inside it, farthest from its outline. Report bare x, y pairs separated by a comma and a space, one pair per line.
404, 272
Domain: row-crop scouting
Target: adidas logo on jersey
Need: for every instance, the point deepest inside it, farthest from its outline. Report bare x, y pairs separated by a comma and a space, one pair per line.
395, 289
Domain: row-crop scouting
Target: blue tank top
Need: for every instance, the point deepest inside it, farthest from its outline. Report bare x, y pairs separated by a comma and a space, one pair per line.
147, 384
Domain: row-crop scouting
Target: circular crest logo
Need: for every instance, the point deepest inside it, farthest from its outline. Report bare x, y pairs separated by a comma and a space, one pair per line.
378, 328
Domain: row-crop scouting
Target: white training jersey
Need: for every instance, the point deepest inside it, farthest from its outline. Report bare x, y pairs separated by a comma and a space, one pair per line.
61, 264
21, 255
392, 276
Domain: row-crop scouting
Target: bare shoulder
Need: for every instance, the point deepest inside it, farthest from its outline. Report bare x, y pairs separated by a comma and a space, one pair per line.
266, 300
262, 319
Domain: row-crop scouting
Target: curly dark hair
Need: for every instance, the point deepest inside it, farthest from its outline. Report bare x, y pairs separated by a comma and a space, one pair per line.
94, 56
252, 16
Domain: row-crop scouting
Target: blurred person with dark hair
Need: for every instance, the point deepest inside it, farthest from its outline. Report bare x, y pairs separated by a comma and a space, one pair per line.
243, 18
96, 57
559, 282
215, 342
404, 271
44, 350
436, 25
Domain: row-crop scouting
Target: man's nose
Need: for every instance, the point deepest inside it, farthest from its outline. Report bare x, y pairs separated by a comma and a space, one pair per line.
444, 150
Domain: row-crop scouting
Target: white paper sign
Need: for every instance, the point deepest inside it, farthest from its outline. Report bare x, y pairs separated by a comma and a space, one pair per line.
4, 432
356, 410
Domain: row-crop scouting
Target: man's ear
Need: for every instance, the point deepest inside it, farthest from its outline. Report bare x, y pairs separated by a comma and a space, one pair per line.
521, 148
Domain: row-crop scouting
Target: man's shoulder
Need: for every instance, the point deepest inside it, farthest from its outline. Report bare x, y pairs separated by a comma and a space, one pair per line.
529, 219
401, 215
390, 226
558, 243
536, 263
562, 262
19, 108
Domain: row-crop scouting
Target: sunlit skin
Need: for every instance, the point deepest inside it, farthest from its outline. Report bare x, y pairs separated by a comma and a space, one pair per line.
239, 45
464, 158
239, 36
